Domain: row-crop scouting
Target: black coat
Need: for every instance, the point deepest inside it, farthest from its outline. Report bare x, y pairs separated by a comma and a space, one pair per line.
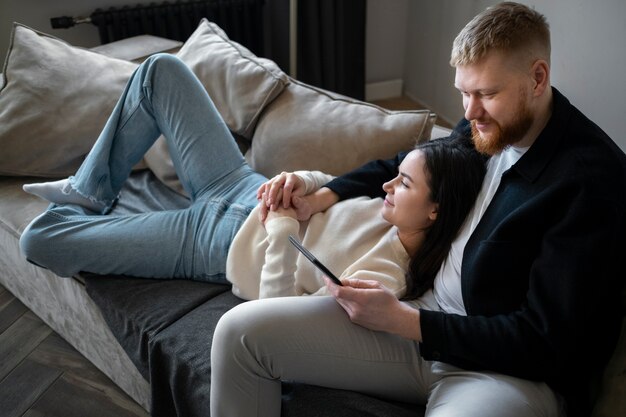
543, 272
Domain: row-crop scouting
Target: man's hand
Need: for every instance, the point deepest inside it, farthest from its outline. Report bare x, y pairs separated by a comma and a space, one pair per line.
371, 305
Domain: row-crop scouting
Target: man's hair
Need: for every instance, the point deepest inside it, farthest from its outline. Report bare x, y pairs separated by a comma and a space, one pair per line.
506, 27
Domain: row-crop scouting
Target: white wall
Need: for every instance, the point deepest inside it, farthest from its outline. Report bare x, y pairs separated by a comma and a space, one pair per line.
385, 38
588, 55
37, 14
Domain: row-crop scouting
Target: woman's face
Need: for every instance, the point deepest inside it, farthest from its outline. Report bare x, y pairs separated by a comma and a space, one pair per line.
408, 205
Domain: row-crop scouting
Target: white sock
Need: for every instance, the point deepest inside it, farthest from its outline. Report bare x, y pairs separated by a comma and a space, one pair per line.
60, 192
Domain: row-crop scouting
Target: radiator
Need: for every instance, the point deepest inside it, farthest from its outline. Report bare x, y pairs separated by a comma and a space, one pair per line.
241, 19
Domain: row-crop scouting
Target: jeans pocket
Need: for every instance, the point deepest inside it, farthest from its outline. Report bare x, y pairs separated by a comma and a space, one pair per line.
220, 222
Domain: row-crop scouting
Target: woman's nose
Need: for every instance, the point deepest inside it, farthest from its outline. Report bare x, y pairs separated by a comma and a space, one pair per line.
387, 187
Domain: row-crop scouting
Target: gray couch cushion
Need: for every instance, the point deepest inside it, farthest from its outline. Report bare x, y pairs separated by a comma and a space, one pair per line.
138, 310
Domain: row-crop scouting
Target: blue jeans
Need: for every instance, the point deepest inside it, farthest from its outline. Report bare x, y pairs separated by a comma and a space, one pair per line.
162, 96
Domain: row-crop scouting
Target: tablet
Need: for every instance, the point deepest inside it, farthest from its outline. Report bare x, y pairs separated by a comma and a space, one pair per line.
314, 260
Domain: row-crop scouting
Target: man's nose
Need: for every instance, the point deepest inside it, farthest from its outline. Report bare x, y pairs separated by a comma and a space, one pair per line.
474, 108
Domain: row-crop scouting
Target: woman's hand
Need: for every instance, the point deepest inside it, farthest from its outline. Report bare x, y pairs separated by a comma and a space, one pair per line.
280, 190
289, 190
371, 305
280, 212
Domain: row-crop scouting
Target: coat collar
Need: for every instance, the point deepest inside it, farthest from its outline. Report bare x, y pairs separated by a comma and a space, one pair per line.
541, 152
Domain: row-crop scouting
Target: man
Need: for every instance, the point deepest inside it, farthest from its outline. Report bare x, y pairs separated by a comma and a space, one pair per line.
524, 312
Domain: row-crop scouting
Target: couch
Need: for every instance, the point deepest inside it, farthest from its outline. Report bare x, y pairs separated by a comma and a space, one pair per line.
153, 337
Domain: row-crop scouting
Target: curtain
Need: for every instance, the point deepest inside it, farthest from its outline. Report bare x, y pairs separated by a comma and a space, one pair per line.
331, 45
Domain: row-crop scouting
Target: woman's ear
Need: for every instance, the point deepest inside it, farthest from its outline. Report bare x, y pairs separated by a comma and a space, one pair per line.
433, 214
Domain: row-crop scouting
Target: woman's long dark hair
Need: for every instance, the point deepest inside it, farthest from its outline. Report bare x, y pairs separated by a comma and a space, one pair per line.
455, 172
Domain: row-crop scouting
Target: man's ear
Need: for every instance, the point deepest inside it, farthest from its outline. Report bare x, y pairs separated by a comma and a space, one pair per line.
540, 73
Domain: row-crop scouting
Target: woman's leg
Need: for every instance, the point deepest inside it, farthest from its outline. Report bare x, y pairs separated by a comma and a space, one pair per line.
309, 340
190, 243
162, 96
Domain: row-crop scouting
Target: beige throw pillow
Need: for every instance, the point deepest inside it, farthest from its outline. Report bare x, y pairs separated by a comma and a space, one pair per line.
239, 83
313, 129
55, 100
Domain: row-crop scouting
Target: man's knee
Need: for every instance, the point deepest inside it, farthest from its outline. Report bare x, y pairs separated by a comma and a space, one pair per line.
491, 395
250, 330
234, 326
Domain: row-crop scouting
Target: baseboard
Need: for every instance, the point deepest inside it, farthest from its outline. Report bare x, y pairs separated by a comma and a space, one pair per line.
383, 89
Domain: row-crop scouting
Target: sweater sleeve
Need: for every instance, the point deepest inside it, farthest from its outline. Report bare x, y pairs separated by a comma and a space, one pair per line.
313, 180
278, 272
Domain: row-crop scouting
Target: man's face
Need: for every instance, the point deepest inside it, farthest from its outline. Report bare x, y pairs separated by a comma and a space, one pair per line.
496, 99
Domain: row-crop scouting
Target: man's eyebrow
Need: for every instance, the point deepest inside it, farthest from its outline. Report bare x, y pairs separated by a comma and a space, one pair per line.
407, 176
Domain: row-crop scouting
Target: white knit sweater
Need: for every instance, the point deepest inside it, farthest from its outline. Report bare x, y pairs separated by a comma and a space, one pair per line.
351, 238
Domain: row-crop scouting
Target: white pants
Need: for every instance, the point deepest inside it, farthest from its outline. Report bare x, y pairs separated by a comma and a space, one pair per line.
311, 340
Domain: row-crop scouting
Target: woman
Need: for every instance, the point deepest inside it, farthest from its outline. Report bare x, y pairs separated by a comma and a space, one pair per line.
163, 96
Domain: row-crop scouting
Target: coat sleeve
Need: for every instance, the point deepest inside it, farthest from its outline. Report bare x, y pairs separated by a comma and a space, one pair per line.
368, 180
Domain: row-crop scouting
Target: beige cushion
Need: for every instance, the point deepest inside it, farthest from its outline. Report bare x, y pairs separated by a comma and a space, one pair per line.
58, 97
55, 101
309, 128
239, 83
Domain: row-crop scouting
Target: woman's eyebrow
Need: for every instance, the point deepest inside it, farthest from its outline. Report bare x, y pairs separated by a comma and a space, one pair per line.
407, 176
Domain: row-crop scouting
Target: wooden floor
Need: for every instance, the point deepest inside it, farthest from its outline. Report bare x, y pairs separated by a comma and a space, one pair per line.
42, 375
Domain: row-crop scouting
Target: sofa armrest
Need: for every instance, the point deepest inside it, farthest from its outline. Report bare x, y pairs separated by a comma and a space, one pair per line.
440, 132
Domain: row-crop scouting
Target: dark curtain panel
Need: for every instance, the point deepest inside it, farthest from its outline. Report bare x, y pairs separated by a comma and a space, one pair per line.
331, 45
276, 35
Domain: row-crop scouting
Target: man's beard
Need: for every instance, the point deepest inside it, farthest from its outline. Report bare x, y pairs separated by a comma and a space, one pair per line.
504, 135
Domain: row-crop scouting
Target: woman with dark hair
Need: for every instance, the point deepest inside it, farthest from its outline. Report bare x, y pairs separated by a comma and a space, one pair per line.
399, 240
455, 199
219, 235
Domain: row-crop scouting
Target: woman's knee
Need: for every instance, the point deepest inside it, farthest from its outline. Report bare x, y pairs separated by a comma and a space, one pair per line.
34, 244
164, 63
40, 245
